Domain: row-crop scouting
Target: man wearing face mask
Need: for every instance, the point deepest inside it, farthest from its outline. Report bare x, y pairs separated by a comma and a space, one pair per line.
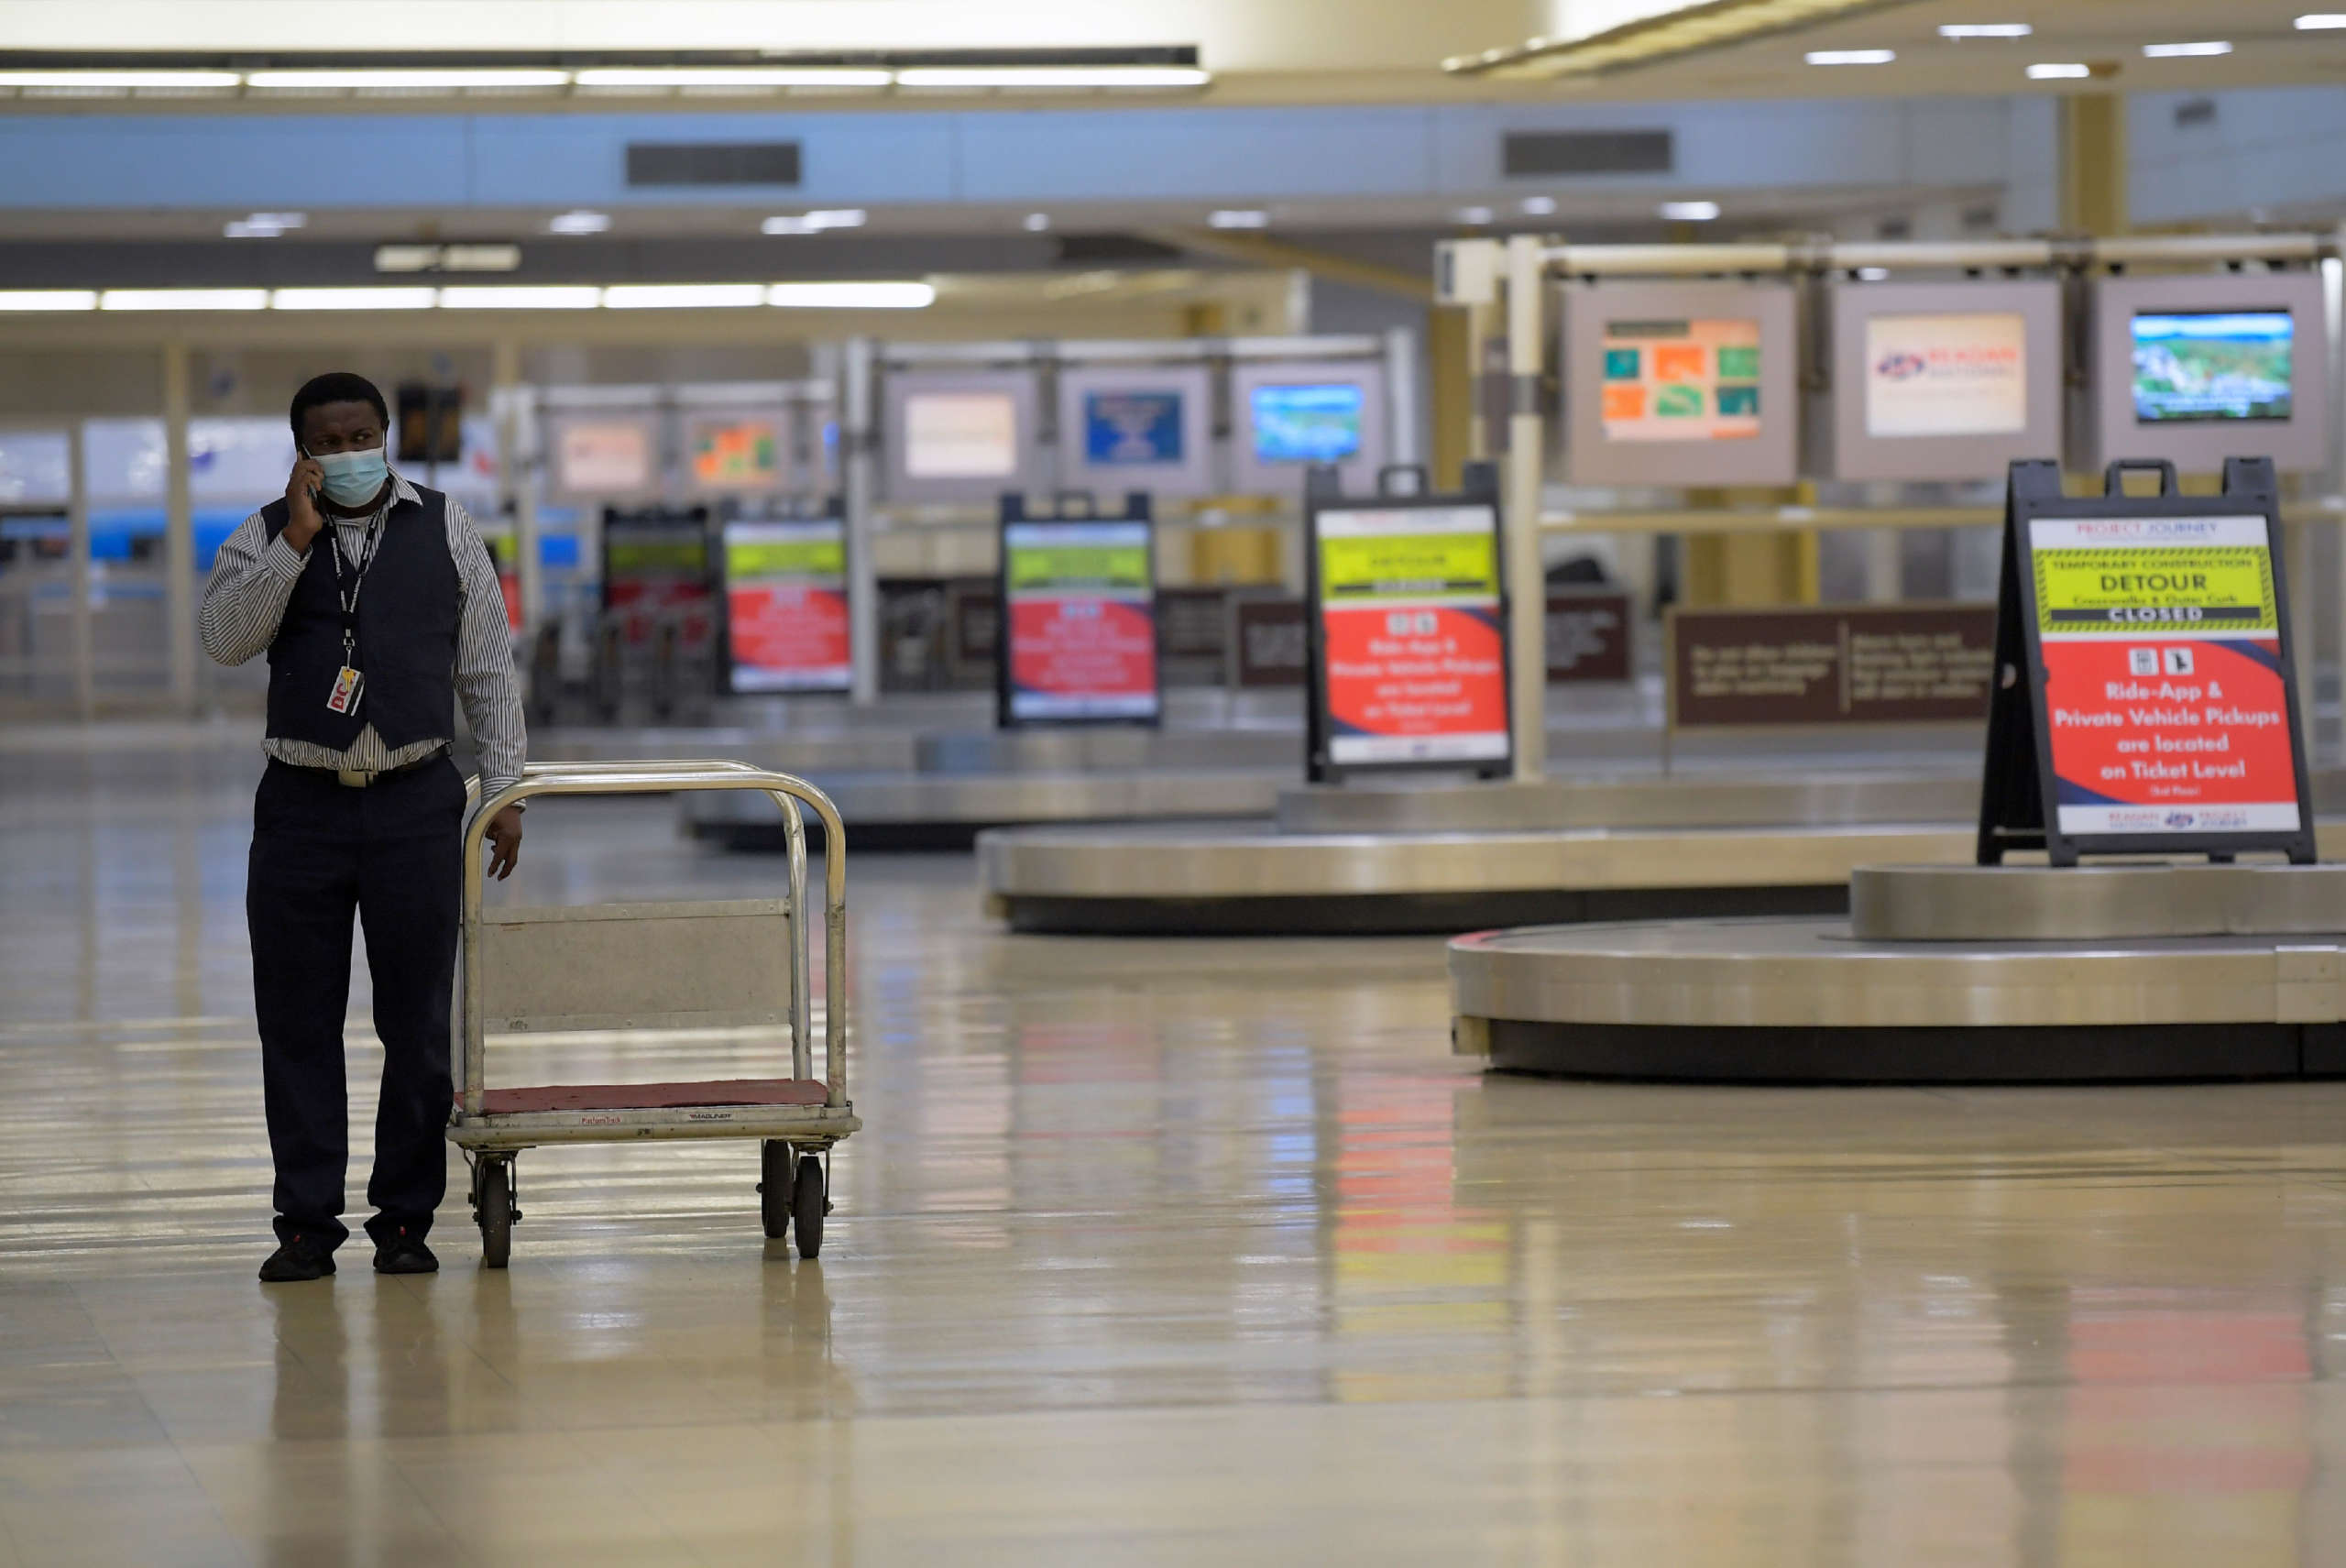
379, 609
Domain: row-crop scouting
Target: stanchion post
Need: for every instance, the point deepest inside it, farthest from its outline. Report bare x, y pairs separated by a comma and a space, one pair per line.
1526, 581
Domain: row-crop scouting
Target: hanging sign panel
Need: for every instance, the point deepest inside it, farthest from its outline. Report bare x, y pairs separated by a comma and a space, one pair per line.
1081, 622
1411, 634
787, 607
2159, 707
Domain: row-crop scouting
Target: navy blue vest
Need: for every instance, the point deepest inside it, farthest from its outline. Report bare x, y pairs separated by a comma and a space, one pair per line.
407, 634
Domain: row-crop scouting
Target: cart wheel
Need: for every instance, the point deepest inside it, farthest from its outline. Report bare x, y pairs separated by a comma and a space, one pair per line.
773, 1188
493, 1206
808, 1205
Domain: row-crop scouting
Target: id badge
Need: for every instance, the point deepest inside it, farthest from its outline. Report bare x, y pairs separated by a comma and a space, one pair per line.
346, 683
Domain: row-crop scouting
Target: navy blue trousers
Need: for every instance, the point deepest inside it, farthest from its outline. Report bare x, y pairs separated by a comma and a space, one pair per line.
388, 854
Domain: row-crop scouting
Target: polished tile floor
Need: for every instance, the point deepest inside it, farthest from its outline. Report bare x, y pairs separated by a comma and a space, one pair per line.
1152, 1253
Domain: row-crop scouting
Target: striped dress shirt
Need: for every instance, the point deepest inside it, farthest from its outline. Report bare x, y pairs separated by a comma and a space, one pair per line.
254, 576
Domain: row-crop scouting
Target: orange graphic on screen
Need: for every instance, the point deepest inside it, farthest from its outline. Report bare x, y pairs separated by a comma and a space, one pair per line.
1681, 362
1682, 380
1624, 402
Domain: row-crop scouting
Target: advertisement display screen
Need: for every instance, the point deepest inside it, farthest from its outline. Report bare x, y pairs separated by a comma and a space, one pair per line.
2207, 366
1957, 374
2165, 700
1682, 380
1318, 423
1081, 621
595, 458
1131, 429
654, 563
786, 606
962, 435
1414, 637
737, 455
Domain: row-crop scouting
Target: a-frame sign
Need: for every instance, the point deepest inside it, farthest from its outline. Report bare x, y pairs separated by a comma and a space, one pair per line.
2145, 698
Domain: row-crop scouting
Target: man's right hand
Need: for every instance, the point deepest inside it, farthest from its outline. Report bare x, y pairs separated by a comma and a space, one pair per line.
302, 521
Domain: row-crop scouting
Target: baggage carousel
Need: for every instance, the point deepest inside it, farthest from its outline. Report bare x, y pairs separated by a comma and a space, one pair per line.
1939, 974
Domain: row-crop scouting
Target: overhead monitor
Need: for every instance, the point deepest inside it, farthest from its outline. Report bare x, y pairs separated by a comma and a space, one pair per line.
744, 454
1681, 384
1136, 427
1291, 417
605, 457
960, 436
2198, 368
1942, 381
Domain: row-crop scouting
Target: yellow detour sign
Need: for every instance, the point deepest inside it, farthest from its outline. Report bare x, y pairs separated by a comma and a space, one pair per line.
2209, 584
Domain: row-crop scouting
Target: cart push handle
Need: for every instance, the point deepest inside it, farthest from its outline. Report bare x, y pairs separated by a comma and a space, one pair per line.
661, 776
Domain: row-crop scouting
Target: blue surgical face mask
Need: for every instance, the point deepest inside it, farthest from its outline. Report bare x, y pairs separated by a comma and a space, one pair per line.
353, 478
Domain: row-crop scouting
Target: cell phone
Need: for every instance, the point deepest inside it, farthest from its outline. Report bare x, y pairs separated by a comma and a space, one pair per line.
301, 450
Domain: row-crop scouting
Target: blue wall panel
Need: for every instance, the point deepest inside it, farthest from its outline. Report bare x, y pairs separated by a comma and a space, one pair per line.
1206, 154
568, 159
307, 163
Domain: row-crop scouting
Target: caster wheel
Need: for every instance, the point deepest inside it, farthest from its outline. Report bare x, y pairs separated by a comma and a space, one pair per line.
808, 1205
774, 1188
493, 1207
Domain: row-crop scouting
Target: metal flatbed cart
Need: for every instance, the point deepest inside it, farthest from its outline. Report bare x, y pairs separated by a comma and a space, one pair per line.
731, 963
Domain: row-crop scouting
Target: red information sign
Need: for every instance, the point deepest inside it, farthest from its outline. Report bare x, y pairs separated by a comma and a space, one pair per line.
2164, 697
786, 606
1082, 628
1415, 658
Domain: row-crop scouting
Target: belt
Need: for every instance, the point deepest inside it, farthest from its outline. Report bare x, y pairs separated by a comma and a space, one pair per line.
359, 778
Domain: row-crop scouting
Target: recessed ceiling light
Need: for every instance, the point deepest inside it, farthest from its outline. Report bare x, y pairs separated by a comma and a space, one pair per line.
398, 80
1238, 218
1474, 215
1690, 211
985, 76
580, 221
1036, 222
860, 296
48, 299
118, 79
184, 299
2183, 51
814, 222
664, 76
264, 225
1538, 206
521, 296
350, 300
1851, 55
2058, 70
1985, 30
682, 296
1873, 274
2318, 20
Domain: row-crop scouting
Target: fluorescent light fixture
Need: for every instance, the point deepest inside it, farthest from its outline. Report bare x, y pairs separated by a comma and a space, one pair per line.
659, 76
2185, 51
264, 225
2319, 21
1473, 217
350, 300
184, 299
683, 296
1985, 30
48, 299
1595, 36
1690, 211
520, 297
852, 296
1850, 56
406, 258
124, 80
480, 258
993, 76
1238, 218
1036, 222
814, 222
1873, 274
397, 78
1538, 206
2058, 71
579, 222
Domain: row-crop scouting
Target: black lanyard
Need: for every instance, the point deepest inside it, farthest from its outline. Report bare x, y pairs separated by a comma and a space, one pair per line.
347, 591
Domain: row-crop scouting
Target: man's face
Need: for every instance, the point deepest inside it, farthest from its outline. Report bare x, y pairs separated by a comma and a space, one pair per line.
340, 427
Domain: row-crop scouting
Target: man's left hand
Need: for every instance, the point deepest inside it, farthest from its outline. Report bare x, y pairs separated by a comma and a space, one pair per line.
505, 842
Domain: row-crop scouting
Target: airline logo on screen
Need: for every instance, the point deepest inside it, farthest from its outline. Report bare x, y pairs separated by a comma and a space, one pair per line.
1416, 667
2164, 691
1955, 374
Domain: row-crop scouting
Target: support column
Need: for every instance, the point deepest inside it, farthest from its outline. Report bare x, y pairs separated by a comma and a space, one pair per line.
516, 474
2093, 163
1526, 454
80, 647
857, 416
178, 533
1451, 387
1400, 396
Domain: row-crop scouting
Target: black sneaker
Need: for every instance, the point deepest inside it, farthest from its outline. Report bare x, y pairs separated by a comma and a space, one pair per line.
404, 1254
301, 1258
